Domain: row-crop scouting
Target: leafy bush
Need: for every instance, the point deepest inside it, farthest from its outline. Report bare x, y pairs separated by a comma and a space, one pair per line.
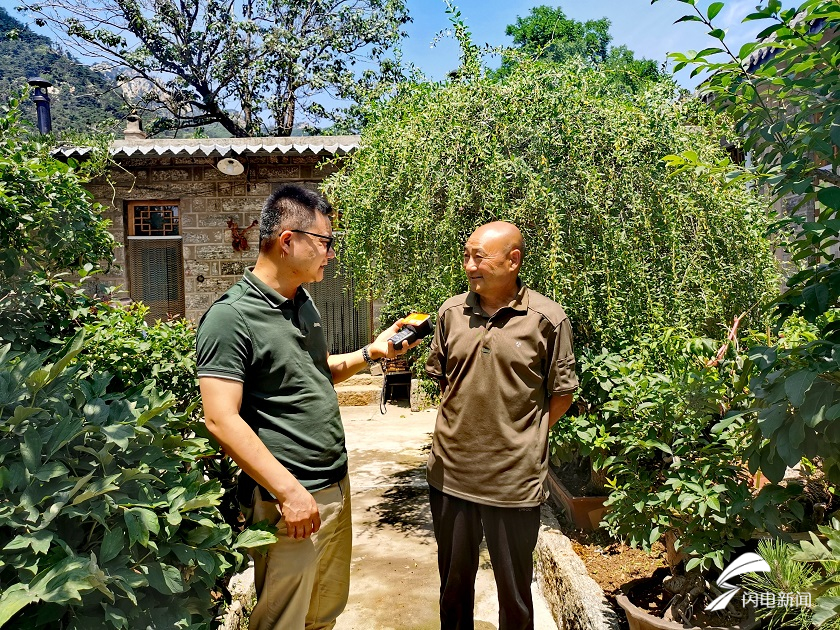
586, 434
789, 123
64, 233
39, 308
799, 402
105, 516
678, 469
576, 164
119, 341
666, 424
48, 225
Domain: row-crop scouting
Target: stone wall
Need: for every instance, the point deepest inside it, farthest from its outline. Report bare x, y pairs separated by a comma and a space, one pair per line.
207, 199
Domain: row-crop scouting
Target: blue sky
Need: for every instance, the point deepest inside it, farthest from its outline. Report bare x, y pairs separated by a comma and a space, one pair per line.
646, 29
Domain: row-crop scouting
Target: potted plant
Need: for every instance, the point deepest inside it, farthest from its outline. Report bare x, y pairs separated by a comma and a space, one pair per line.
679, 476
582, 439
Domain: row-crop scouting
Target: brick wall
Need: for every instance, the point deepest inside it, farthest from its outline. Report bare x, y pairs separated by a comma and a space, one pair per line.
207, 199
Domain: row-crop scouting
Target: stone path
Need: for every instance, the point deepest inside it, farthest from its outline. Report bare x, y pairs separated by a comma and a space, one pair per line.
394, 582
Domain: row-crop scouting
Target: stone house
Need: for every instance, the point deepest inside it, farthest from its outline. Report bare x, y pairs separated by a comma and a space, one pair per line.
181, 207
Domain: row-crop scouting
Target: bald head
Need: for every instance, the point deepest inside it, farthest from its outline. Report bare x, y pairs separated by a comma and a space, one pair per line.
506, 235
492, 260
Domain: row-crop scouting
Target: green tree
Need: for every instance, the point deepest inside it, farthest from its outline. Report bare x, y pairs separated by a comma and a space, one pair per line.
548, 34
626, 69
575, 162
783, 92
48, 226
253, 67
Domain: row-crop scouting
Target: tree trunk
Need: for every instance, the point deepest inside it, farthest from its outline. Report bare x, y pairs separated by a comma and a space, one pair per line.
212, 108
672, 556
286, 120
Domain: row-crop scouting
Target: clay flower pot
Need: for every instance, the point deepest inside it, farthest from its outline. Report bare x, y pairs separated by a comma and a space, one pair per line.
584, 512
640, 619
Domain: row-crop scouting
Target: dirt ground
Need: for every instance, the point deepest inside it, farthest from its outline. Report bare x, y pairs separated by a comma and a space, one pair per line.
611, 563
394, 581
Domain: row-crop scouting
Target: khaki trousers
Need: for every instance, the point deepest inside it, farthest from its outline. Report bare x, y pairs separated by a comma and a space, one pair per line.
303, 584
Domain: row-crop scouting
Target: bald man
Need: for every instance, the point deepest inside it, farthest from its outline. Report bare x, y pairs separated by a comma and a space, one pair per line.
503, 356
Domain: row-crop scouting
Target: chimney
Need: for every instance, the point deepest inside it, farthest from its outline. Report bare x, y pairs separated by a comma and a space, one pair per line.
42, 103
134, 127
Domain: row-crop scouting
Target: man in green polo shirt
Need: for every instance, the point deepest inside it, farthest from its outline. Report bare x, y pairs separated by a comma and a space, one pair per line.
266, 382
503, 356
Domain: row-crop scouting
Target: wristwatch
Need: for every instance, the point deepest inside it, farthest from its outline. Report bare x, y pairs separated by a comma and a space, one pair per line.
366, 354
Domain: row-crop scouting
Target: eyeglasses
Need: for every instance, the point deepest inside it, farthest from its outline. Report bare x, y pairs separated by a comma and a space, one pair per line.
329, 239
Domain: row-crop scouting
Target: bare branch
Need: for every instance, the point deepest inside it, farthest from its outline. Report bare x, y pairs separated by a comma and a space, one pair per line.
825, 175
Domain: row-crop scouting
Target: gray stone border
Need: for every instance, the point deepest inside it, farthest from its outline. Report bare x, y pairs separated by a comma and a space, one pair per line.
241, 587
574, 598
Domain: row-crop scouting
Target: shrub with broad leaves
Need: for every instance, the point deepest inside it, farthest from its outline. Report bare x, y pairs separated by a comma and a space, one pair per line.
120, 341
106, 519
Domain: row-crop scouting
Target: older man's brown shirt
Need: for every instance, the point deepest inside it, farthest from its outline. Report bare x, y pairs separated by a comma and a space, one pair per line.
490, 443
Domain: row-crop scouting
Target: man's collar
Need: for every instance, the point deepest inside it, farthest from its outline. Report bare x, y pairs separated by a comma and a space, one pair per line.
519, 303
473, 304
273, 297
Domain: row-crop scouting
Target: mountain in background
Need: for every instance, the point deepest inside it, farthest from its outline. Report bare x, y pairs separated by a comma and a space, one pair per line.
82, 99
85, 99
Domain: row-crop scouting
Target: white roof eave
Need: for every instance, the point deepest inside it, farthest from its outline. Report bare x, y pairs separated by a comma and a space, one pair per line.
312, 145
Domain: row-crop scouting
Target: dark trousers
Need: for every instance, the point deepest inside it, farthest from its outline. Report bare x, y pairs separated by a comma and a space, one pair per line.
511, 535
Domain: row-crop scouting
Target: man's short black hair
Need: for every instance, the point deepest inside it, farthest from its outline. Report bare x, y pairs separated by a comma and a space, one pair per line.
290, 207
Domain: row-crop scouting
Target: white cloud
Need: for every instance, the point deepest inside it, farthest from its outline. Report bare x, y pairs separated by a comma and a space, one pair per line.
734, 12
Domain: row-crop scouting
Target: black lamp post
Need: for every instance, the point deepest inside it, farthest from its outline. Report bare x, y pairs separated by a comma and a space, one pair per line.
42, 103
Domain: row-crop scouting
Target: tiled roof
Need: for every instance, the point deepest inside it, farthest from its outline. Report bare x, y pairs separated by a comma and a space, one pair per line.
224, 147
761, 55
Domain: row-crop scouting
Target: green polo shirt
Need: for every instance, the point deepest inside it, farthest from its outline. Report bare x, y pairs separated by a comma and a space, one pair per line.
276, 348
490, 444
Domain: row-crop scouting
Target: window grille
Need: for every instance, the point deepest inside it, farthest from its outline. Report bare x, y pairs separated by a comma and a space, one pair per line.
347, 326
156, 218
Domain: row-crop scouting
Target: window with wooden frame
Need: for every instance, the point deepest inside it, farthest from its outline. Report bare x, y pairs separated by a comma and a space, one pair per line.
155, 257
